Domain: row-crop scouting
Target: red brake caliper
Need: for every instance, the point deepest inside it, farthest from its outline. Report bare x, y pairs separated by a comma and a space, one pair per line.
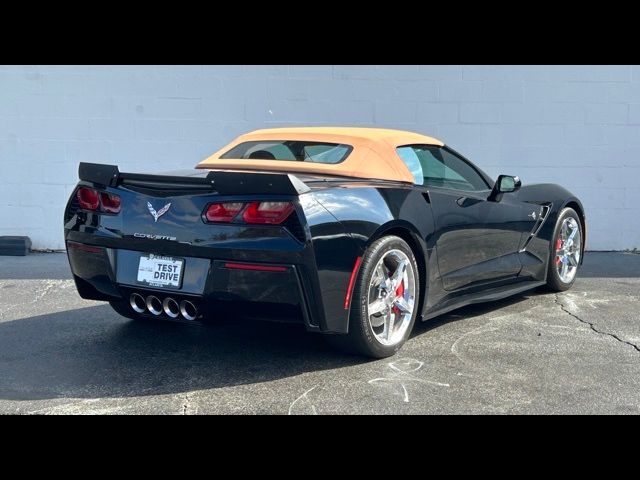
399, 293
558, 247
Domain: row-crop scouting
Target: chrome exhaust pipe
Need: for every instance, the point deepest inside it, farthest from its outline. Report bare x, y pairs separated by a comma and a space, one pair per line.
137, 303
171, 307
154, 305
188, 310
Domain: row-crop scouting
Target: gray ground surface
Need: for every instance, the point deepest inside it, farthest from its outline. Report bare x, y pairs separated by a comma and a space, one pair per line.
575, 352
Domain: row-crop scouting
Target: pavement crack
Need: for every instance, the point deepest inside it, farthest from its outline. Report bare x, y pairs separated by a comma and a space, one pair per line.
185, 406
592, 326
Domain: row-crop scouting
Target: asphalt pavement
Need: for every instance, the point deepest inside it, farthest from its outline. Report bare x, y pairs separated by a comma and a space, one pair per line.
572, 353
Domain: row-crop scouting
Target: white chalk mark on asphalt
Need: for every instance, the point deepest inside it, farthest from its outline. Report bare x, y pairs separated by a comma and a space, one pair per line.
431, 382
402, 370
406, 365
305, 398
392, 384
486, 328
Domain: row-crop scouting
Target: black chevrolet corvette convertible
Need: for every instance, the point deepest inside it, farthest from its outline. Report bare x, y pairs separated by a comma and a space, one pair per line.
353, 232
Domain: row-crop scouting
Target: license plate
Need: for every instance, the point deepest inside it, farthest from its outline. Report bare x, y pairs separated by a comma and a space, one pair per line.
157, 271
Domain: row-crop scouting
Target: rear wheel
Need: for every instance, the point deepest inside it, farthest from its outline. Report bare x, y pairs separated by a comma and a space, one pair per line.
566, 251
385, 300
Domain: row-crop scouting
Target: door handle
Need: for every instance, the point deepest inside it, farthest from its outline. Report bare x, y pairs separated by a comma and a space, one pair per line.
467, 201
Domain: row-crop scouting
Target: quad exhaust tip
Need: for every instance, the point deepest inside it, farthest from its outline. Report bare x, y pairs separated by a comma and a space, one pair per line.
138, 303
170, 307
154, 305
188, 310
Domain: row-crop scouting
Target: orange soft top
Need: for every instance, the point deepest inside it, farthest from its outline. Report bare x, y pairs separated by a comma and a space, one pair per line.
373, 155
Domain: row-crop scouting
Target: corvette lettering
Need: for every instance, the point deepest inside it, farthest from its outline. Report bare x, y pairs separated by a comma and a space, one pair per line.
149, 236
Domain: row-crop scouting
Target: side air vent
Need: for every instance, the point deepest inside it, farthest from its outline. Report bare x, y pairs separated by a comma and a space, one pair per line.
542, 216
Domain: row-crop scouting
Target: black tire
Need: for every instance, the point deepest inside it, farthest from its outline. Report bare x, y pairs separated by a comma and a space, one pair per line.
554, 283
122, 308
360, 340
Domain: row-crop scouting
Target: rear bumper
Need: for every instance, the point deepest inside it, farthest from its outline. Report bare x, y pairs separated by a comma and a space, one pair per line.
219, 287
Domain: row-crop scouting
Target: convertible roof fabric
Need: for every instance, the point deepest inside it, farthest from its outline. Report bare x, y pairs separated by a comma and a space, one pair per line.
373, 156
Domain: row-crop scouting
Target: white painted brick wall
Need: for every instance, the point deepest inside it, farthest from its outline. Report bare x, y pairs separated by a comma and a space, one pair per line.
574, 125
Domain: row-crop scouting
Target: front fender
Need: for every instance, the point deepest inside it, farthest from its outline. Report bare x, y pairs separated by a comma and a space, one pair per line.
557, 197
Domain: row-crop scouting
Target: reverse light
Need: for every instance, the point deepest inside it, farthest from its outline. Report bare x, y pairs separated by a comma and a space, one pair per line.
223, 212
88, 198
268, 213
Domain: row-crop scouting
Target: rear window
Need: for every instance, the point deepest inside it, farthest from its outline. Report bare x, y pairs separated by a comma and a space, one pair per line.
291, 150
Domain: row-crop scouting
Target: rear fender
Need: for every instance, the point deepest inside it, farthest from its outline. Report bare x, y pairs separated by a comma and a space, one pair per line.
365, 214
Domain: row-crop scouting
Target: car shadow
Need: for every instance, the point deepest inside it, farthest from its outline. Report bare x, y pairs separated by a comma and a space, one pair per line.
470, 311
94, 353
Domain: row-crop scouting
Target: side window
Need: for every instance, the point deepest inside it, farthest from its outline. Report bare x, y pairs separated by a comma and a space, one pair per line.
440, 168
410, 158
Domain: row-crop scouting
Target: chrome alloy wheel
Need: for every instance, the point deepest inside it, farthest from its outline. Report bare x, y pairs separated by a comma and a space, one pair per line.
568, 248
391, 297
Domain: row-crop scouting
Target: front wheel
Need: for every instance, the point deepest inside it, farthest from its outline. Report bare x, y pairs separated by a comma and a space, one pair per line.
566, 251
385, 300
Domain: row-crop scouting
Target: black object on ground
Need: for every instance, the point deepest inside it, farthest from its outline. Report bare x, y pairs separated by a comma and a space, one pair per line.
15, 246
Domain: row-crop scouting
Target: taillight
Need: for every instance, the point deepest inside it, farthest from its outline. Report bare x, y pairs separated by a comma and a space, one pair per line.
265, 213
88, 198
91, 199
110, 203
223, 212
271, 213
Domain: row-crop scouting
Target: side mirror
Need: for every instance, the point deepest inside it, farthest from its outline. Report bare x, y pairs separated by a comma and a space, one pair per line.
504, 184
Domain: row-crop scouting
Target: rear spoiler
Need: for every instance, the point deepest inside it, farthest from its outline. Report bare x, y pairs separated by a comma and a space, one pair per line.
222, 182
